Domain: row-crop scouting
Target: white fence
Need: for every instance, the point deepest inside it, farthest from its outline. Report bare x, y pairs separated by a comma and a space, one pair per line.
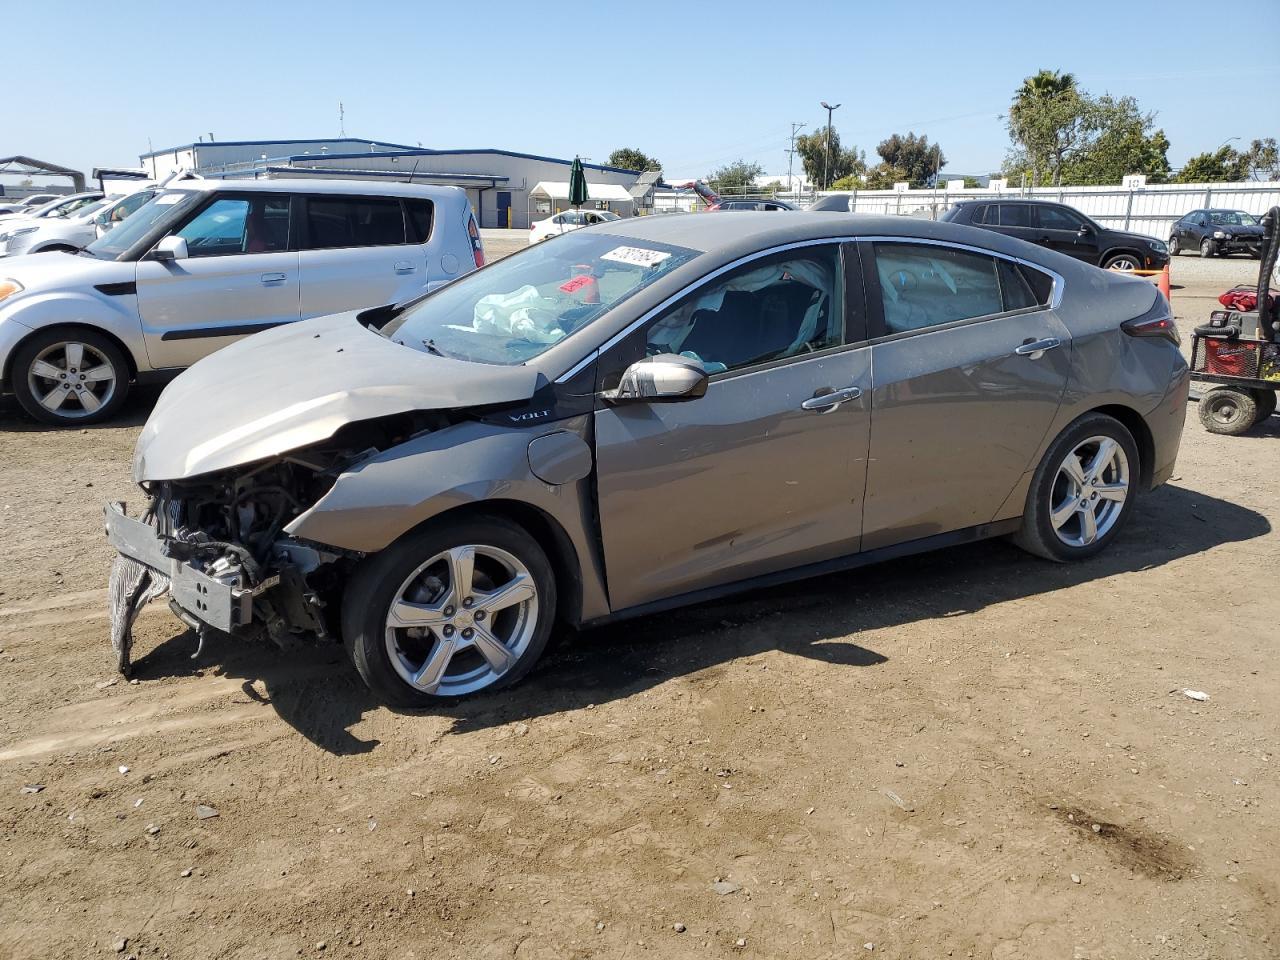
1150, 209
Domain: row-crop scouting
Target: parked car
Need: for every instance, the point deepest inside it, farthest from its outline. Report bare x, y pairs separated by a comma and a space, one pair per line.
1217, 233
206, 262
58, 207
566, 222
768, 205
1064, 229
27, 203
715, 404
69, 234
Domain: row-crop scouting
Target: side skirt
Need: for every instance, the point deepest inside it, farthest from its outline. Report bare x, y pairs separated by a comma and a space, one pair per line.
853, 561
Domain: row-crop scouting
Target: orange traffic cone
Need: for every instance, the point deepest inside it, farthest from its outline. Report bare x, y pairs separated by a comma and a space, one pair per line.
1163, 284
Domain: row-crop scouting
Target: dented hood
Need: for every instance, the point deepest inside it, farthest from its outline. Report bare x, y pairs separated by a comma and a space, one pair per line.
297, 385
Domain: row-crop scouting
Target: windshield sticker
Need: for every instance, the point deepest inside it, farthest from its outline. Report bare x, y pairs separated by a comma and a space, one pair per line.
167, 199
577, 283
636, 256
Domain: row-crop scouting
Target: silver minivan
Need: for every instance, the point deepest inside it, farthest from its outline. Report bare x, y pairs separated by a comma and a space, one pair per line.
206, 262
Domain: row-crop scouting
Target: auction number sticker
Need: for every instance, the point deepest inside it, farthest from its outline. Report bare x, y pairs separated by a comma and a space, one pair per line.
636, 256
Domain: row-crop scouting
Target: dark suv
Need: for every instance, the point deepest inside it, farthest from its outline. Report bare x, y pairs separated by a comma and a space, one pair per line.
1059, 227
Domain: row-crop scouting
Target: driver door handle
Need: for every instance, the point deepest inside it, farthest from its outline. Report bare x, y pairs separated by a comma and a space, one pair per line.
823, 402
274, 278
1034, 349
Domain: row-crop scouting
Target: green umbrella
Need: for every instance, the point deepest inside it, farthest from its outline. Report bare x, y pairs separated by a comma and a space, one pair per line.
577, 184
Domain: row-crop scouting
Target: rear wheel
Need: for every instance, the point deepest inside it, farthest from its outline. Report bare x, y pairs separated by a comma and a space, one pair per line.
1082, 492
1174, 247
69, 378
453, 609
1228, 411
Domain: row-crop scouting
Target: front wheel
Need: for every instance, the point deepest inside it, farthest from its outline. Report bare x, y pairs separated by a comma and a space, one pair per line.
1207, 249
1124, 262
70, 377
1082, 492
450, 610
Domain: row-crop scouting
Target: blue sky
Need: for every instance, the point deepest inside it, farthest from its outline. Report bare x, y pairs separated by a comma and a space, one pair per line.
696, 85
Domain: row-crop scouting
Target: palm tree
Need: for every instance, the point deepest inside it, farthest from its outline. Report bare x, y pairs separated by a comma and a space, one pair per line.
1044, 119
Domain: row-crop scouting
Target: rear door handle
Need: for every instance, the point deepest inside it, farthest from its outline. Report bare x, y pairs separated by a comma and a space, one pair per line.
404, 266
1034, 349
274, 277
824, 402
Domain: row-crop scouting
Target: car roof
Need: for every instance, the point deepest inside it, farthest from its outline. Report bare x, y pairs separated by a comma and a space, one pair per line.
753, 230
316, 185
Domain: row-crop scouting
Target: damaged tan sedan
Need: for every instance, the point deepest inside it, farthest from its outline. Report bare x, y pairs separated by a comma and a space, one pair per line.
640, 415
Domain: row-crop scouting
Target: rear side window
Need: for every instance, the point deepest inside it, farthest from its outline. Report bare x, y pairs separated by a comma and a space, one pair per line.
979, 212
353, 222
926, 285
1013, 215
418, 216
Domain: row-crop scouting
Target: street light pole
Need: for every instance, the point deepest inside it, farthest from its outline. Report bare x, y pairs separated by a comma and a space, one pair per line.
826, 163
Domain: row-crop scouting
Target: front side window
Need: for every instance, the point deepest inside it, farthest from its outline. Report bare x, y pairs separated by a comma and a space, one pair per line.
770, 309
1056, 218
353, 222
518, 307
232, 225
923, 285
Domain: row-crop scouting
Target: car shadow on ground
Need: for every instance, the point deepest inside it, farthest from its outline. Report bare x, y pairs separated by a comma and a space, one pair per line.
137, 408
319, 694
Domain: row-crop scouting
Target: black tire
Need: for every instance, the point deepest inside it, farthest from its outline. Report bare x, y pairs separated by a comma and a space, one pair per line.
1113, 262
1207, 249
72, 412
1175, 247
376, 584
1228, 411
1266, 401
1037, 534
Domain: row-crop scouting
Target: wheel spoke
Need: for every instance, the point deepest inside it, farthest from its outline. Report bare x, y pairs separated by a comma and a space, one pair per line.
53, 399
405, 613
89, 400
1071, 467
99, 373
1088, 525
491, 648
462, 561
1112, 491
517, 590
431, 673
1101, 460
75, 355
42, 368
1063, 513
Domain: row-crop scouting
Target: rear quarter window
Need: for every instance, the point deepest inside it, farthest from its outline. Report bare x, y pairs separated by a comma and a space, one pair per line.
418, 218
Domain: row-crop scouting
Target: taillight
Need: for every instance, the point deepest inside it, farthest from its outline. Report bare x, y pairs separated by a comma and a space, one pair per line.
477, 250
1159, 326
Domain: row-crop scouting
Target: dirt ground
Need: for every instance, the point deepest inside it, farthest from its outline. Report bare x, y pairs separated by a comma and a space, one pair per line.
973, 754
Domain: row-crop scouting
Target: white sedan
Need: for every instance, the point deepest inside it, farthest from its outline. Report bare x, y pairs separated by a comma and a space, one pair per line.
567, 221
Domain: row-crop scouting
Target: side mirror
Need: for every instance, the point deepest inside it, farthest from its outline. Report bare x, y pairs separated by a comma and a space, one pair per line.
1085, 230
663, 379
170, 248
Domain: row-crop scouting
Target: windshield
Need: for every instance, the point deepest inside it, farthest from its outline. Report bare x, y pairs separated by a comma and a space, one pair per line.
518, 307
67, 207
112, 244
91, 209
1233, 218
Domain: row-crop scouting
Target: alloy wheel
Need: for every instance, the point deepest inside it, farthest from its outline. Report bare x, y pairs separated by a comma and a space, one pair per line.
1089, 492
1123, 263
461, 620
72, 379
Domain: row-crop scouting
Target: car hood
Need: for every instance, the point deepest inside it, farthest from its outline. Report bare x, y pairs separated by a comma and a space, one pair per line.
45, 272
1133, 237
1238, 229
296, 385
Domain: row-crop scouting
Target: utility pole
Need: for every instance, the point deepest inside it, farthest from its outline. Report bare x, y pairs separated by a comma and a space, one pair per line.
342, 121
791, 154
826, 163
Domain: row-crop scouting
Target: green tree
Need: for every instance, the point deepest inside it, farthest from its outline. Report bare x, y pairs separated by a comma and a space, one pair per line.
1263, 159
812, 148
735, 177
1224, 165
1046, 121
884, 175
917, 159
1117, 139
629, 158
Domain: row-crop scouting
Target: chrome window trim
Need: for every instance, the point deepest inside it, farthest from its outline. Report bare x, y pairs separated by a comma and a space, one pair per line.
1055, 296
